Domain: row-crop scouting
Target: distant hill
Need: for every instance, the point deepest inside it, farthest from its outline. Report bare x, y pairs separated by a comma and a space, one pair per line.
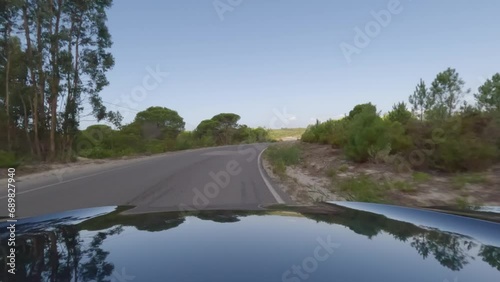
286, 133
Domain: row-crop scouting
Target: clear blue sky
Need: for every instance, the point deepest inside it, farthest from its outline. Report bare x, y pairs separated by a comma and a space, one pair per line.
263, 57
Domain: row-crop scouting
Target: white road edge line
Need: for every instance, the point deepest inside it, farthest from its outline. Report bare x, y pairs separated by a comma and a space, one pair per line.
268, 184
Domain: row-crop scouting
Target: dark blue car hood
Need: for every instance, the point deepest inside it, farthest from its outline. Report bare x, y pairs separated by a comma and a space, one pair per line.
328, 242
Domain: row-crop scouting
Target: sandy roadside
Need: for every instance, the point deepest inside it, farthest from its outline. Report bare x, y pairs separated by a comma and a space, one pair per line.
311, 181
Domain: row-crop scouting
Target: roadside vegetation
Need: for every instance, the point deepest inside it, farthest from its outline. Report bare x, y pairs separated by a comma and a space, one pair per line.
280, 134
440, 148
441, 131
154, 130
158, 130
281, 156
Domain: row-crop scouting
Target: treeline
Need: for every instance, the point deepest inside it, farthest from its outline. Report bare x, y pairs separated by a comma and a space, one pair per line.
159, 129
53, 58
440, 131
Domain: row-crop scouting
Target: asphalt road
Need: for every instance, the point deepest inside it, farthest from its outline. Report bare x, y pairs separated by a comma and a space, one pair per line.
229, 177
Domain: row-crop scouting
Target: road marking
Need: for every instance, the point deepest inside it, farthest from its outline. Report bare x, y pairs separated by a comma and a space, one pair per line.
268, 184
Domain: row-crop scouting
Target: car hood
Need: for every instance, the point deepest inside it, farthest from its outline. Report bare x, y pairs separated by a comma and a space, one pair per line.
328, 242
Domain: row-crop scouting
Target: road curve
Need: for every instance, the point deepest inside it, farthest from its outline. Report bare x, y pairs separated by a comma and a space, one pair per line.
228, 177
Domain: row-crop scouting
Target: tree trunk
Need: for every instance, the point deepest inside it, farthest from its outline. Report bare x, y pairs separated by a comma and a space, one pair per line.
54, 85
53, 255
72, 92
65, 121
26, 125
29, 52
41, 85
7, 95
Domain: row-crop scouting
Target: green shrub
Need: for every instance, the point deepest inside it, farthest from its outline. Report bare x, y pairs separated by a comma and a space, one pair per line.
338, 134
96, 153
258, 134
463, 204
281, 156
398, 138
403, 186
170, 144
367, 133
363, 189
460, 180
421, 177
308, 136
464, 154
8, 160
125, 152
466, 145
279, 167
343, 168
331, 132
155, 146
289, 154
399, 113
362, 108
184, 141
332, 173
318, 133
206, 141
123, 142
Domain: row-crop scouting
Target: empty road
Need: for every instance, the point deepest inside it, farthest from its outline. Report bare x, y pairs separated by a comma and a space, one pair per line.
229, 177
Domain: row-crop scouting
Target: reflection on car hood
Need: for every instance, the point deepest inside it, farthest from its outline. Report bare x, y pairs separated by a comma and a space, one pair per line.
328, 242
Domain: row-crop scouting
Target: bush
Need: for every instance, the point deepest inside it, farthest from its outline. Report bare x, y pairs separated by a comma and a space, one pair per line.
367, 133
125, 152
289, 154
96, 153
399, 113
464, 154
338, 135
362, 108
308, 136
421, 177
184, 141
316, 133
331, 132
363, 189
170, 144
121, 141
468, 144
206, 141
461, 180
8, 160
400, 142
155, 146
281, 156
261, 134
